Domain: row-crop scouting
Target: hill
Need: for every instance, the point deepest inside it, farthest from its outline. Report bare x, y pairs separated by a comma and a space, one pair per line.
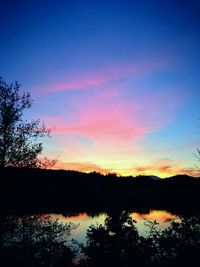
39, 190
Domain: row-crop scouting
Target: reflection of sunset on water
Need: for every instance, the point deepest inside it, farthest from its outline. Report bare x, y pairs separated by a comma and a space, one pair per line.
72, 218
160, 216
84, 220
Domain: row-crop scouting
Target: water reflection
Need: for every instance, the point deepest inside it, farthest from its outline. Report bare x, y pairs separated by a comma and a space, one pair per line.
44, 240
163, 217
84, 220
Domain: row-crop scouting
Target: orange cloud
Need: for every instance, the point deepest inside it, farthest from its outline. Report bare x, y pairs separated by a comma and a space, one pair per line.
82, 167
164, 168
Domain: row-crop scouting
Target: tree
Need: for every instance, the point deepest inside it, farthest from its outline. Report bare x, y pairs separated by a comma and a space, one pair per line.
117, 243
179, 244
36, 240
19, 146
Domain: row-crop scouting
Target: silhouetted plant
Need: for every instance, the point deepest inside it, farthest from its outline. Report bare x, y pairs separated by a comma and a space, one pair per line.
37, 241
117, 243
180, 243
18, 137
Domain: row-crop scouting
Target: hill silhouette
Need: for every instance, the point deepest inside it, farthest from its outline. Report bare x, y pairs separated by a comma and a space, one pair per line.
40, 190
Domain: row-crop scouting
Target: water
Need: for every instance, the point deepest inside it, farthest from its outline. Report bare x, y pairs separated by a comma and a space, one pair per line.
38, 230
84, 220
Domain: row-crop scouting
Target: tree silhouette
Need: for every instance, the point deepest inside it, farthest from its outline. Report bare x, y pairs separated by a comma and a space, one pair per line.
179, 244
18, 137
36, 240
117, 243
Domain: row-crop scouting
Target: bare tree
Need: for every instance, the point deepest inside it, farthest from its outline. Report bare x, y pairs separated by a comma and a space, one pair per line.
19, 146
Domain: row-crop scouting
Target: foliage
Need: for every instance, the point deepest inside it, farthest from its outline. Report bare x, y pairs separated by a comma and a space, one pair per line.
180, 243
36, 241
118, 243
18, 137
39, 241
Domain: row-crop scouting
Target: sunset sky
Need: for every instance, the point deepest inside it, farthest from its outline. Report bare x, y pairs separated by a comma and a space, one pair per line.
119, 80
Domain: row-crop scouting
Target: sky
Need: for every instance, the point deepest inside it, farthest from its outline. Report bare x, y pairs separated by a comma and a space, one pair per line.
118, 81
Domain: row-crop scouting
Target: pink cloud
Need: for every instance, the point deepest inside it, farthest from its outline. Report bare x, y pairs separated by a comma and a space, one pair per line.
104, 116
105, 126
111, 122
101, 77
107, 123
107, 115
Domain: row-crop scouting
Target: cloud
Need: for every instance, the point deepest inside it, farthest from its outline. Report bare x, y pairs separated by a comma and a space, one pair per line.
106, 126
99, 122
82, 167
164, 168
109, 116
100, 116
100, 77
103, 125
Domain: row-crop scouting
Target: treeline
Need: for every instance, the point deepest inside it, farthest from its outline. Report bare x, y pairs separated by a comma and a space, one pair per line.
36, 241
29, 190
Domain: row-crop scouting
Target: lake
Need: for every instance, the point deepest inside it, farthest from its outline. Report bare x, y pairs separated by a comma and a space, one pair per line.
38, 235
84, 220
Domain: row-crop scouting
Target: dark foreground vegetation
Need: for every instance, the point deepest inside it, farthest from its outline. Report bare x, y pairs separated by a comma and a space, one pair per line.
36, 241
39, 190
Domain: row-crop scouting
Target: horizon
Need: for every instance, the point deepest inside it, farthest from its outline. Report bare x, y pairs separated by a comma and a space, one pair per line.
100, 173
119, 81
